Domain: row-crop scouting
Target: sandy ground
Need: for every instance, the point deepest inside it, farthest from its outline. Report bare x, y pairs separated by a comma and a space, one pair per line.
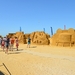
39, 60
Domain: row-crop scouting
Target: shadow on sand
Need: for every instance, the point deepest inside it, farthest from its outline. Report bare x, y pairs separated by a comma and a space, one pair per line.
1, 73
33, 46
15, 51
18, 49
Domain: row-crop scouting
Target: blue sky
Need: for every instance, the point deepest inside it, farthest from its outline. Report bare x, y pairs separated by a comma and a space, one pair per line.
34, 15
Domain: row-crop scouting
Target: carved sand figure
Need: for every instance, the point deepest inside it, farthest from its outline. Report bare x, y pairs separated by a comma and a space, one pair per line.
64, 37
40, 38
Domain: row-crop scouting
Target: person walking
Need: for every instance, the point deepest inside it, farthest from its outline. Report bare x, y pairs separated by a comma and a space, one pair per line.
11, 43
7, 44
5, 41
17, 43
3, 44
28, 42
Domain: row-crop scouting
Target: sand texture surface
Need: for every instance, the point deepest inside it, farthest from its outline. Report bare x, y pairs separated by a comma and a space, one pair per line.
38, 60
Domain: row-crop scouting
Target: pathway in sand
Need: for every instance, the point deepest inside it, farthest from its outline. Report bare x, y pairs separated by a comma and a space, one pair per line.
49, 55
28, 62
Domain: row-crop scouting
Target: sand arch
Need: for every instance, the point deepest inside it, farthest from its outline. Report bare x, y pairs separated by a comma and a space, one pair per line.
71, 30
59, 30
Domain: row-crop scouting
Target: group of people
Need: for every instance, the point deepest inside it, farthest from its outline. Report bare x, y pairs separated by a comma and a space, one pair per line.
8, 43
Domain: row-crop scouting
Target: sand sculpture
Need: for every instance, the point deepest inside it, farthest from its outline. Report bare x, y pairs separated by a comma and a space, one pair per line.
59, 31
64, 37
40, 38
21, 37
27, 35
10, 35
